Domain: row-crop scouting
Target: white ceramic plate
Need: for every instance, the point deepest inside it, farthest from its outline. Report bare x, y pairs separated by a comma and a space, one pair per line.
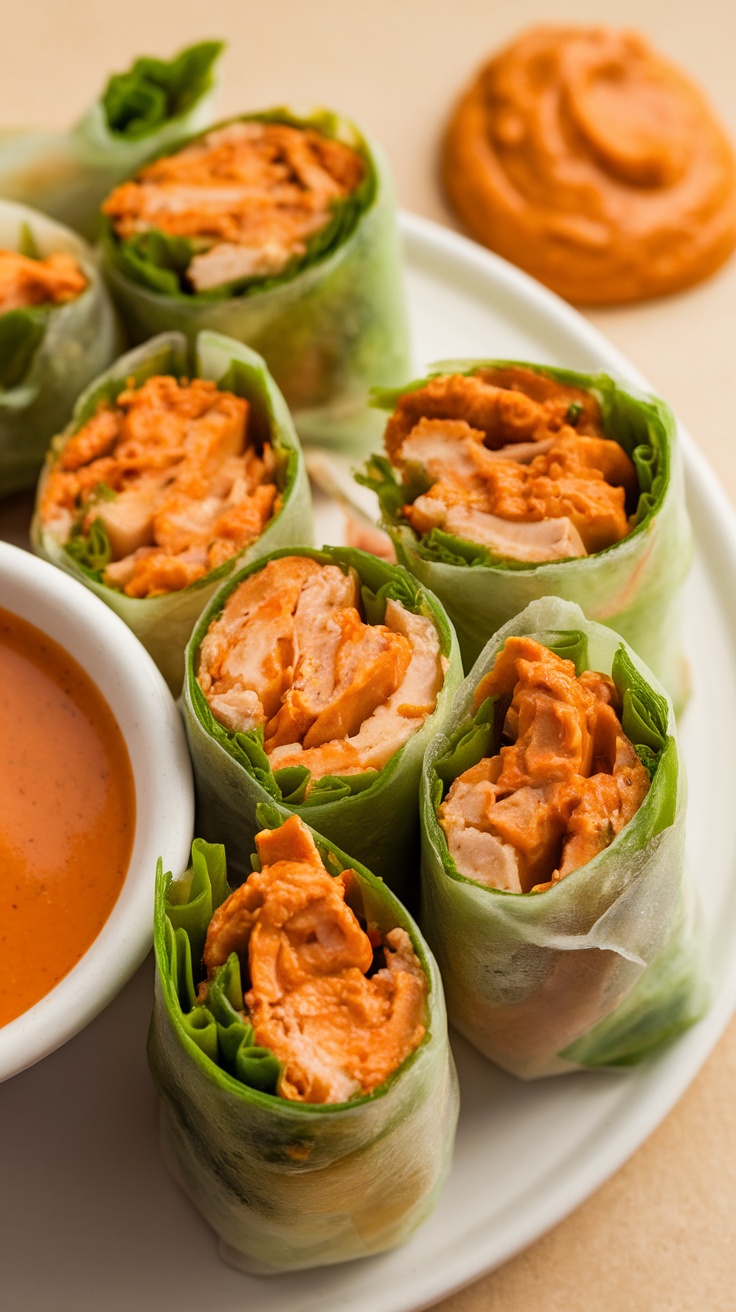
89, 1218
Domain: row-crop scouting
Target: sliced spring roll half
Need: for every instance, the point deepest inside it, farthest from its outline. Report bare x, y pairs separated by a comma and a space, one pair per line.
299, 1046
57, 331
171, 474
316, 680
506, 482
279, 230
553, 824
147, 108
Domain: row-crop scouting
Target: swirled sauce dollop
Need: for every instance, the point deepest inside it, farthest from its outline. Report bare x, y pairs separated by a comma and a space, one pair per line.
587, 159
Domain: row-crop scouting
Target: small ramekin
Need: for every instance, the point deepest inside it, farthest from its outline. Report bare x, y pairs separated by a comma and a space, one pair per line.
150, 723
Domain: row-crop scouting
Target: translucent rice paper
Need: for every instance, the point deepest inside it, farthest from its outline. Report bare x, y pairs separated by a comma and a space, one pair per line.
76, 340
603, 967
68, 174
633, 586
328, 333
164, 623
374, 816
289, 1185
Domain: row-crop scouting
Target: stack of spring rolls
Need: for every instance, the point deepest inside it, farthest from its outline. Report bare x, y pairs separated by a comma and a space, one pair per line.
349, 775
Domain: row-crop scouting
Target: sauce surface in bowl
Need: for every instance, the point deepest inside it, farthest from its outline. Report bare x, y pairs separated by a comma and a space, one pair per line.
67, 813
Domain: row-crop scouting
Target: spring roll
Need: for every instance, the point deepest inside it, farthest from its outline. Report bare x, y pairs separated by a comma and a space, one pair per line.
57, 331
147, 108
168, 478
553, 824
504, 483
299, 1047
278, 230
315, 680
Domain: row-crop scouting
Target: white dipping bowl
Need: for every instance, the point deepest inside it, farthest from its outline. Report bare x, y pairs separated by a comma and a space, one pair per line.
149, 721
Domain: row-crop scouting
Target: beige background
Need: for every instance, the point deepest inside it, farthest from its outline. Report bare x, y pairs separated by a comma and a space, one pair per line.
659, 1237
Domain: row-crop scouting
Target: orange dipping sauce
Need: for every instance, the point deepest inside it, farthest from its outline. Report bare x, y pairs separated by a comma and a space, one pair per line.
590, 161
67, 813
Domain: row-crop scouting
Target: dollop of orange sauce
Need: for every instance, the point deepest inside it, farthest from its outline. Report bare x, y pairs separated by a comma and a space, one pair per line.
67, 813
583, 156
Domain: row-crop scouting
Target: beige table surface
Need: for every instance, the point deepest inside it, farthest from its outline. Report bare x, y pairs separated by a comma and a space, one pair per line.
659, 1236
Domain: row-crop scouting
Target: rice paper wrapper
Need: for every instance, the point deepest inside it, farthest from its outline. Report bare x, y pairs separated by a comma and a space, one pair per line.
165, 623
633, 587
145, 110
327, 333
47, 354
289, 1185
374, 816
609, 963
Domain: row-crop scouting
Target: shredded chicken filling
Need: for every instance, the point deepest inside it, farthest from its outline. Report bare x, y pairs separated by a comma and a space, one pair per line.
172, 476
338, 1025
514, 461
250, 195
291, 653
560, 791
25, 282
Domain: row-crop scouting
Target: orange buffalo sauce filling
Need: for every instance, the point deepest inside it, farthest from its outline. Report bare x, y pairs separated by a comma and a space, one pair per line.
249, 194
563, 788
586, 158
291, 653
174, 478
67, 819
513, 460
25, 282
338, 1030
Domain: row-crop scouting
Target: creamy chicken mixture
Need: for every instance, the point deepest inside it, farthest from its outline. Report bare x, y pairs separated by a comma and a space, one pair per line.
291, 653
514, 461
560, 791
249, 195
25, 282
338, 1031
171, 475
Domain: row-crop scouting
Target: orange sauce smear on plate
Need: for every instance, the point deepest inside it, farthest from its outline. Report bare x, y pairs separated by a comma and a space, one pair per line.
67, 813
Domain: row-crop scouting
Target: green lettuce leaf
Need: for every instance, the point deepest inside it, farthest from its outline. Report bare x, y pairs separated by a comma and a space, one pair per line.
21, 334
157, 260
91, 550
27, 244
140, 101
252, 1065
